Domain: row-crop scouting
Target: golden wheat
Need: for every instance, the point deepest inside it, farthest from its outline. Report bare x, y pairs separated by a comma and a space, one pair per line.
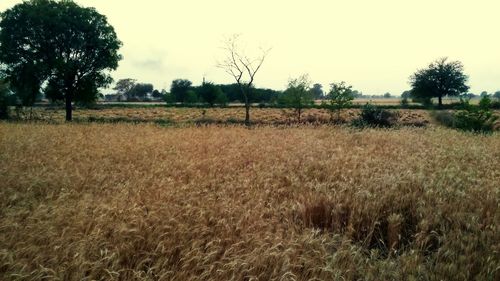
141, 202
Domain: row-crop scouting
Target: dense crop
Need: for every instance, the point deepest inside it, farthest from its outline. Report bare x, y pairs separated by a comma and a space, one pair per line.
141, 202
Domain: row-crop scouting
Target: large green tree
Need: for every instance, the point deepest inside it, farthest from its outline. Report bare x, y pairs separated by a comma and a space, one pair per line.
60, 44
179, 89
440, 79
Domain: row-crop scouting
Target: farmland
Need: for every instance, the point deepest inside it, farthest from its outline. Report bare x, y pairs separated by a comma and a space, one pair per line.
263, 116
144, 202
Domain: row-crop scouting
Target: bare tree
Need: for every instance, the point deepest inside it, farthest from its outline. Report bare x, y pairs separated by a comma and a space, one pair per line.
242, 68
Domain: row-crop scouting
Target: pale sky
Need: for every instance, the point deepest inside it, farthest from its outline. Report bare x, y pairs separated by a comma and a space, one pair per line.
373, 45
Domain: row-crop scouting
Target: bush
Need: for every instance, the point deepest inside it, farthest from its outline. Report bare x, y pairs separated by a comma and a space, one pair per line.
475, 119
445, 118
373, 116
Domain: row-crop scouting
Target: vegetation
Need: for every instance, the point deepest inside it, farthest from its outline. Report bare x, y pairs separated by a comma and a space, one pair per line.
243, 69
440, 79
298, 94
73, 62
340, 96
142, 203
374, 116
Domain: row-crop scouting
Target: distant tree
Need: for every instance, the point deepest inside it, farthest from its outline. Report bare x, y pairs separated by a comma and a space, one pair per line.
339, 97
357, 94
221, 99
406, 95
484, 94
57, 43
191, 97
180, 88
243, 69
317, 91
168, 97
298, 94
124, 86
156, 94
141, 90
440, 79
497, 95
387, 95
208, 92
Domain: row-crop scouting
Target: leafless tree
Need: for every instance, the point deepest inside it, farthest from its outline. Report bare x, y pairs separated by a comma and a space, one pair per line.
242, 68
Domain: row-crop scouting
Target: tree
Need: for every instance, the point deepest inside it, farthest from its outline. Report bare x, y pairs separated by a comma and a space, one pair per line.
60, 44
484, 94
221, 98
191, 97
157, 94
180, 88
497, 95
387, 95
208, 92
317, 91
298, 94
141, 90
4, 98
242, 69
124, 86
440, 79
339, 96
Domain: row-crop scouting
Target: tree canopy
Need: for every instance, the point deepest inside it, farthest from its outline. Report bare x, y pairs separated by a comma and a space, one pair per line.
440, 79
60, 44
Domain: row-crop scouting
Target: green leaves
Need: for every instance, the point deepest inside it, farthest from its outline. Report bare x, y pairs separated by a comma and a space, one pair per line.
59, 44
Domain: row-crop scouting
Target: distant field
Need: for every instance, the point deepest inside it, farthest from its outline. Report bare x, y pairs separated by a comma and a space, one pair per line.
143, 202
264, 116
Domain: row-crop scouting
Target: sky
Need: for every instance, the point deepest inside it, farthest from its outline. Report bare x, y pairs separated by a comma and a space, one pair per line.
373, 45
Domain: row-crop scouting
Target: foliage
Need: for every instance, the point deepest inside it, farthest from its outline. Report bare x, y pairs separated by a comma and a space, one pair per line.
69, 47
221, 99
191, 97
475, 119
124, 86
140, 90
169, 98
298, 94
440, 79
208, 92
4, 99
317, 91
373, 116
340, 96
179, 88
387, 95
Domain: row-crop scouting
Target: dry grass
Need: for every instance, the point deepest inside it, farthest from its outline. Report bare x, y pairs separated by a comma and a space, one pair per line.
267, 116
140, 202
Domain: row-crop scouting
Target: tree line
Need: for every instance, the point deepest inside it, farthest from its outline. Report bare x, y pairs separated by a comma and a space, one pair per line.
65, 52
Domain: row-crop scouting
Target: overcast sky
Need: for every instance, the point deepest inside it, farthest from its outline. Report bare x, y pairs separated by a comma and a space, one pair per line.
373, 45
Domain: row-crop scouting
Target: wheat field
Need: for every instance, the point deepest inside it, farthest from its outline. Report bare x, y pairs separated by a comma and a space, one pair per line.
143, 202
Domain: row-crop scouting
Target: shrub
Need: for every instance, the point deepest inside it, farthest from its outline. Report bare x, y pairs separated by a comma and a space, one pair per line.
4, 100
475, 119
373, 116
445, 118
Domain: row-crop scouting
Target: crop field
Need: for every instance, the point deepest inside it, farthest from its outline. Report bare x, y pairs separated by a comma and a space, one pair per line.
263, 116
91, 201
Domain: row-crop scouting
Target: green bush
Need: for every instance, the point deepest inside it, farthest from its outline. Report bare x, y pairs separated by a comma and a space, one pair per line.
475, 119
373, 116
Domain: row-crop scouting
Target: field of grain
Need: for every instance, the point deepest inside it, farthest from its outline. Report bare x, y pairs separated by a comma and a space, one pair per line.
143, 202
263, 116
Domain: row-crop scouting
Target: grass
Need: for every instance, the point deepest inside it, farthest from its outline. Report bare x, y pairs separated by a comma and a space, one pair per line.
142, 202
266, 116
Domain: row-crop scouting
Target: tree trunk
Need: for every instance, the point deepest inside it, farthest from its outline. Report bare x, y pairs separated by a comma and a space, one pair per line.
69, 108
247, 110
440, 102
299, 111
